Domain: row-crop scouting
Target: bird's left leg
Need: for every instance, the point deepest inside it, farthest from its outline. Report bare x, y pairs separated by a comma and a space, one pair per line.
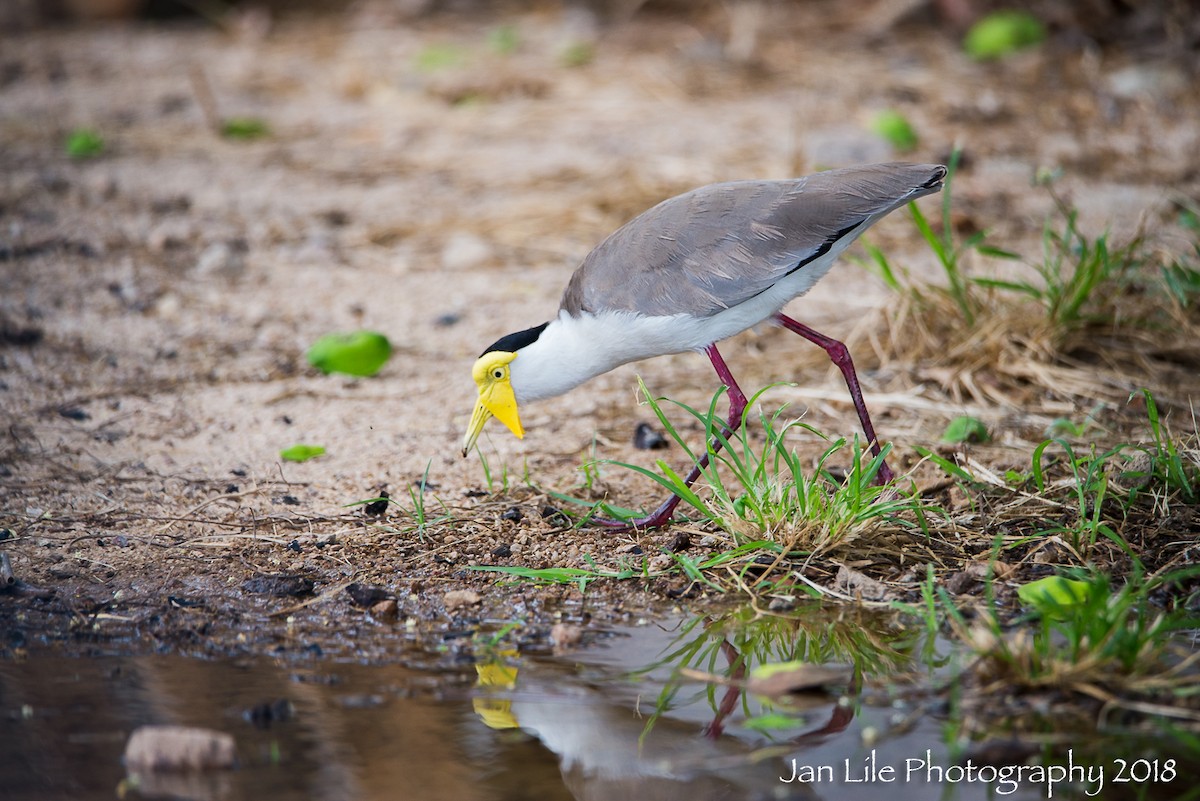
839, 354
737, 407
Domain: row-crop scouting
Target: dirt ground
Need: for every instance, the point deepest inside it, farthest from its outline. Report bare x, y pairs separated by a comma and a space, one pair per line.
426, 179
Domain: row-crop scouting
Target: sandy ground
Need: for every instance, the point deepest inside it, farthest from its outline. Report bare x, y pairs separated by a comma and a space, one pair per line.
157, 301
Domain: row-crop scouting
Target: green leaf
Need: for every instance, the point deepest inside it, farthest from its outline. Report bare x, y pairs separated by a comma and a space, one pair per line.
84, 143
1015, 477
998, 253
1054, 594
301, 453
882, 267
244, 128
773, 721
1009, 286
360, 353
896, 129
739, 506
1002, 33
1065, 427
966, 429
934, 241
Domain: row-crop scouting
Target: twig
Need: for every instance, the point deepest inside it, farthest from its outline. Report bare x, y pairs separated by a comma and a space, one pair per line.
7, 578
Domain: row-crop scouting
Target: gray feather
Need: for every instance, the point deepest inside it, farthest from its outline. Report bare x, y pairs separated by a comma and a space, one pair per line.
720, 245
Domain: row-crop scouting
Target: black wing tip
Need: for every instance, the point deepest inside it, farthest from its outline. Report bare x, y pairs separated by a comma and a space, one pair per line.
935, 180
511, 343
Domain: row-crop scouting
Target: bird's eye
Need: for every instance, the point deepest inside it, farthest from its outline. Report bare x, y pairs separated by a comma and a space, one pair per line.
498, 373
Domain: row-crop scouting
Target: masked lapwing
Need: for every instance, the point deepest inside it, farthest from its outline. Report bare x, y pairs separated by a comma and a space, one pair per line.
692, 271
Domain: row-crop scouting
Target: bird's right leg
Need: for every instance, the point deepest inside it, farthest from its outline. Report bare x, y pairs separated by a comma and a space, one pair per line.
737, 408
839, 354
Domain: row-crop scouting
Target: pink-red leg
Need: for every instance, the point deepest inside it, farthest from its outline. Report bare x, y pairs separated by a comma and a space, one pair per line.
839, 354
737, 407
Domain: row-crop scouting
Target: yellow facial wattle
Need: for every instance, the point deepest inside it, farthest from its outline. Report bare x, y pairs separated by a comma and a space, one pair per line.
496, 397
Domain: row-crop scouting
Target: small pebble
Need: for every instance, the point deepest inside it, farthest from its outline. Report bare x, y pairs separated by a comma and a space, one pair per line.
514, 514
646, 438
386, 610
365, 594
458, 599
554, 515
565, 635
661, 562
74, 413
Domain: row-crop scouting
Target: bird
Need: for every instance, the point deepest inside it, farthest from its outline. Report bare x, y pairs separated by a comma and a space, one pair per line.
689, 273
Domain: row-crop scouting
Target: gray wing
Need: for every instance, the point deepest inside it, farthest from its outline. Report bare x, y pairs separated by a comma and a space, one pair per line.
720, 245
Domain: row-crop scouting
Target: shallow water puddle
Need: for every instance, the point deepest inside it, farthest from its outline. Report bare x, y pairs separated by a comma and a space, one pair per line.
609, 721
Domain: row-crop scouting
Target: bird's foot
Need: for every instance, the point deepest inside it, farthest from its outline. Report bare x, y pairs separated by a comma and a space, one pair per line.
660, 517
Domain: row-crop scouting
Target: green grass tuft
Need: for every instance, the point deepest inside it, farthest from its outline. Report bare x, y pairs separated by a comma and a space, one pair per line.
950, 253
757, 487
1102, 634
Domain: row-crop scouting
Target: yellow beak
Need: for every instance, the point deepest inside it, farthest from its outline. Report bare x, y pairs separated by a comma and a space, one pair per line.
496, 399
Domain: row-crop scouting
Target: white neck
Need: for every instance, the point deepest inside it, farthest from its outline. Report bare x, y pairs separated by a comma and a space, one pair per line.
574, 349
